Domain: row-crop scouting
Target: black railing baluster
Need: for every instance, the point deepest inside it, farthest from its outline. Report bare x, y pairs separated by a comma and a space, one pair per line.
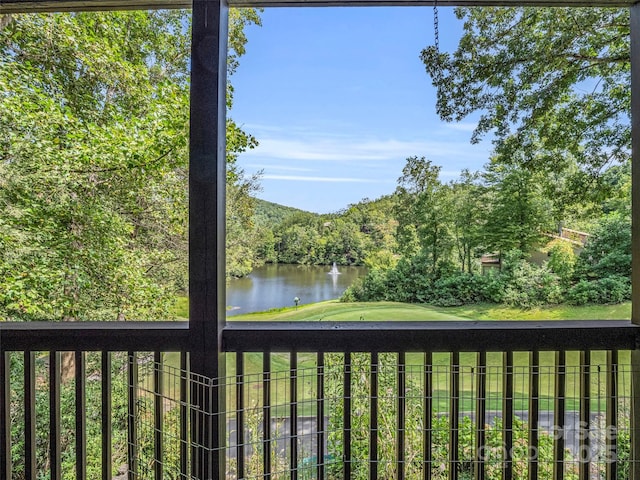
30, 470
584, 453
240, 413
454, 410
507, 414
54, 416
158, 410
293, 414
132, 427
184, 415
346, 417
106, 417
373, 418
320, 415
5, 415
612, 416
481, 417
266, 414
534, 404
427, 411
558, 416
81, 416
400, 448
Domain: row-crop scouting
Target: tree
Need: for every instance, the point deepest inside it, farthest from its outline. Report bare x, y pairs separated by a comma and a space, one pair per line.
93, 161
607, 251
469, 220
518, 213
423, 211
299, 244
549, 81
345, 243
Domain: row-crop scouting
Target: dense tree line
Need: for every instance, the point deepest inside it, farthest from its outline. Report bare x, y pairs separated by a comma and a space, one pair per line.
424, 243
551, 87
509, 211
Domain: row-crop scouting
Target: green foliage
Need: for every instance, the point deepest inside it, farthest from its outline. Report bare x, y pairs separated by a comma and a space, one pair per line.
518, 211
423, 211
608, 250
466, 288
520, 283
607, 290
562, 259
527, 285
469, 218
93, 165
381, 259
524, 69
271, 214
346, 238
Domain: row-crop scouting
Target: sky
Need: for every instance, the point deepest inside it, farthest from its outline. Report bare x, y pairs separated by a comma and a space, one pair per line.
338, 99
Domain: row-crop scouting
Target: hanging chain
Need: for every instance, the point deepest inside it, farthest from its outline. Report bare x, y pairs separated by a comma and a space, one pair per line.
436, 30
437, 71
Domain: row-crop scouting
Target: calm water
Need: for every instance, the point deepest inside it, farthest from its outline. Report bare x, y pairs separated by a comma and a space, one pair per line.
275, 286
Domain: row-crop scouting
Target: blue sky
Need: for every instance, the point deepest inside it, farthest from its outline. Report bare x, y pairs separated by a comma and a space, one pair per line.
338, 99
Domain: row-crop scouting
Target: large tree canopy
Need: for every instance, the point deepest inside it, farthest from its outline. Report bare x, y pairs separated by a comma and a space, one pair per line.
551, 83
94, 112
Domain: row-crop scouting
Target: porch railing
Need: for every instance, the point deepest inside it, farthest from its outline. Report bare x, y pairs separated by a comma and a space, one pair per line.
457, 414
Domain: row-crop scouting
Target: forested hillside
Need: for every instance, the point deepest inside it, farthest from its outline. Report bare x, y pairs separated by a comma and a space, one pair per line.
269, 214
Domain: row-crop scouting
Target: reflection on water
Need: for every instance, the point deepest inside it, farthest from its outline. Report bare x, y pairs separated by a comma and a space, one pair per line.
275, 286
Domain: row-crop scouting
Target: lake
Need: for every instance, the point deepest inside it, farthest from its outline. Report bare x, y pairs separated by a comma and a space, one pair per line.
275, 286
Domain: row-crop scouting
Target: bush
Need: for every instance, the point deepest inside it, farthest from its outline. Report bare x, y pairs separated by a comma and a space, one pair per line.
562, 260
527, 285
613, 289
462, 289
370, 288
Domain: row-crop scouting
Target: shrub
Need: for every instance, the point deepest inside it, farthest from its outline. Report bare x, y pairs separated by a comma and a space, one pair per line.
528, 285
371, 287
465, 288
613, 289
562, 260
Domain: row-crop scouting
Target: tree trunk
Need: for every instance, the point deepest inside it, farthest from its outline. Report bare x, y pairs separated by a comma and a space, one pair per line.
67, 366
5, 20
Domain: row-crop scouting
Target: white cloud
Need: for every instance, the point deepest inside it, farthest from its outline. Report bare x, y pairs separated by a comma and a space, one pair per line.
461, 127
304, 178
343, 148
264, 166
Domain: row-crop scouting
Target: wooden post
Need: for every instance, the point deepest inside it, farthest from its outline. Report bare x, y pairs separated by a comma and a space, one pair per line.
207, 159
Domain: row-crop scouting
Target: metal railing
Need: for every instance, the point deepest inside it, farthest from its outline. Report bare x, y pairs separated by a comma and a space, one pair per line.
453, 415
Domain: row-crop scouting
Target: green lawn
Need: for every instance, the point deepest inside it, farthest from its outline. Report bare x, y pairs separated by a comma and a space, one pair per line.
620, 311
334, 310
379, 311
